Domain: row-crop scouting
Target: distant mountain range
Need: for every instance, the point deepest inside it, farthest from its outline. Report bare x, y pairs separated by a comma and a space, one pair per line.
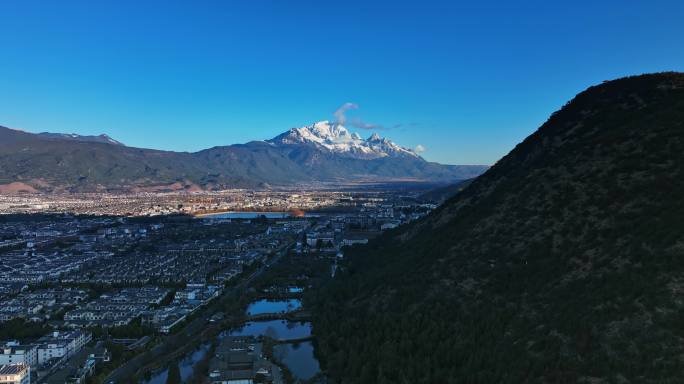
85, 139
334, 138
324, 152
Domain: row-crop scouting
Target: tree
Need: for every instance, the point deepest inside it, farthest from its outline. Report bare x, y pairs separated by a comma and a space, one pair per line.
22, 329
174, 376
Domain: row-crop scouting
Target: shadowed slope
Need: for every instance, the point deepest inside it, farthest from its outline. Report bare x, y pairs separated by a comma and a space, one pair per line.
562, 263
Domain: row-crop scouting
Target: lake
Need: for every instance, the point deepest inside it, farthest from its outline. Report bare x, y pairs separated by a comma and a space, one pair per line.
299, 359
186, 366
273, 306
276, 329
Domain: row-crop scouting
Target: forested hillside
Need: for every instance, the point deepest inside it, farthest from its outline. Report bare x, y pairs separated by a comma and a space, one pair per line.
441, 194
562, 263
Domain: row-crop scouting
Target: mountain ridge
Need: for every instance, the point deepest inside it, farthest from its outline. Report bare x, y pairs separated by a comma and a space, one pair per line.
66, 162
336, 138
102, 138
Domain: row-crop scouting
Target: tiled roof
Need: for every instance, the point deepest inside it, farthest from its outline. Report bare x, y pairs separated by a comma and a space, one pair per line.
12, 369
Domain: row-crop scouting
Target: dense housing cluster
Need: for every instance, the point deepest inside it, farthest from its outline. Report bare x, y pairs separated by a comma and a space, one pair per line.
73, 286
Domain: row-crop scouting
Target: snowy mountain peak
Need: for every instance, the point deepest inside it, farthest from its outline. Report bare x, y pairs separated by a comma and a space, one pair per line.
76, 137
327, 130
336, 138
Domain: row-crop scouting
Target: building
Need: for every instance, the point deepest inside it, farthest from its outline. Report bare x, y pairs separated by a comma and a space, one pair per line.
78, 368
320, 239
13, 352
54, 350
238, 360
354, 239
15, 374
57, 345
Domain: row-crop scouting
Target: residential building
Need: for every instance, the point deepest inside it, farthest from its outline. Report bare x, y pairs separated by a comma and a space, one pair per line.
57, 345
19, 373
13, 352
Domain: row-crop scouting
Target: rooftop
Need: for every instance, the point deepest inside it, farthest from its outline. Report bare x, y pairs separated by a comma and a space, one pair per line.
13, 369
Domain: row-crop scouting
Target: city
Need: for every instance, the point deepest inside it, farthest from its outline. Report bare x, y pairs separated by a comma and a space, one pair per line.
85, 288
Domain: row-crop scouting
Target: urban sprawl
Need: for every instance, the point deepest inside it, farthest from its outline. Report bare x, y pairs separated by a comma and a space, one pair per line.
87, 278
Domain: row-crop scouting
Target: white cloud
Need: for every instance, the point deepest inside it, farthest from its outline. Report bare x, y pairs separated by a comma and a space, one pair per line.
339, 113
341, 118
419, 148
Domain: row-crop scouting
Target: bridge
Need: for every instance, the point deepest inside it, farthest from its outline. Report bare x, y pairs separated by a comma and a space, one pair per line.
293, 341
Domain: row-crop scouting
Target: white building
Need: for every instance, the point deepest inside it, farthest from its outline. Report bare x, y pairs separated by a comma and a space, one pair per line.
12, 352
55, 350
61, 344
15, 374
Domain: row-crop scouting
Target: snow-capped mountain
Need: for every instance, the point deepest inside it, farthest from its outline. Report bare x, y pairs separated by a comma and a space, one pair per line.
75, 137
337, 139
320, 153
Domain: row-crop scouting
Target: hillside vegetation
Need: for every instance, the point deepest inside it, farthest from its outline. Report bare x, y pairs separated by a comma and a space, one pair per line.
441, 194
562, 263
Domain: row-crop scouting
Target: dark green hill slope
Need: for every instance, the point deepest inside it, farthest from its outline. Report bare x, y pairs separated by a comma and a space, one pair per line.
441, 194
562, 263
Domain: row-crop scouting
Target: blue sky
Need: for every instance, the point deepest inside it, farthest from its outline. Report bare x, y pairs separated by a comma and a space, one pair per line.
466, 80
